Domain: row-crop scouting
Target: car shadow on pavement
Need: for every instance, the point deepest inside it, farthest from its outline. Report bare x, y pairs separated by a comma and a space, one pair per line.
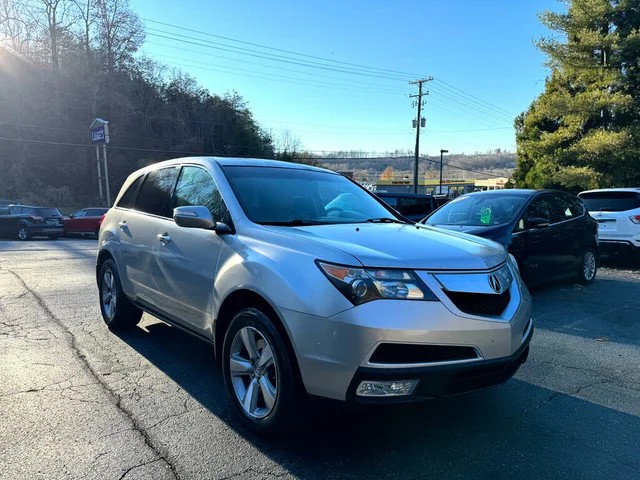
515, 430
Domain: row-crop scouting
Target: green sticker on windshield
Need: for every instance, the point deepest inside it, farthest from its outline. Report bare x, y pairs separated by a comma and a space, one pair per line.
485, 215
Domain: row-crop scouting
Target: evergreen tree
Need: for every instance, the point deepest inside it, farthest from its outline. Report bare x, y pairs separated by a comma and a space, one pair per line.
583, 131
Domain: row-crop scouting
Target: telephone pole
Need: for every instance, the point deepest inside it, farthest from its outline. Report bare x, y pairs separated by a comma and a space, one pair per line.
418, 124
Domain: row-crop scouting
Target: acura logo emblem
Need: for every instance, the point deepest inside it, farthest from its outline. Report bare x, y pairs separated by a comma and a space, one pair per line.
495, 283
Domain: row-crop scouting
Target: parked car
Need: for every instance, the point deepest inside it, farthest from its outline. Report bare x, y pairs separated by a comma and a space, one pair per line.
85, 221
25, 221
550, 233
414, 206
617, 211
347, 302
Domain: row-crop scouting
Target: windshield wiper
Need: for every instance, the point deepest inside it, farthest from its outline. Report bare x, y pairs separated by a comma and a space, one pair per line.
293, 223
385, 220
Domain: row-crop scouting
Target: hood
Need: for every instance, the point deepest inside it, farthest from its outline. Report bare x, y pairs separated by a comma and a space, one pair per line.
404, 246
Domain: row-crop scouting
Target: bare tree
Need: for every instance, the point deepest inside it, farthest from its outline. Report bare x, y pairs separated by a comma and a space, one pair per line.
54, 18
87, 10
120, 32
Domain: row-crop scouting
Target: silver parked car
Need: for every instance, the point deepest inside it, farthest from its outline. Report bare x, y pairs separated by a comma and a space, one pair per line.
305, 283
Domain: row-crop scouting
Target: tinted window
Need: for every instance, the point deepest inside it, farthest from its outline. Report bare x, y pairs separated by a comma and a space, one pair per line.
79, 213
95, 212
196, 187
541, 208
155, 193
566, 208
414, 206
46, 212
611, 201
478, 210
128, 198
391, 201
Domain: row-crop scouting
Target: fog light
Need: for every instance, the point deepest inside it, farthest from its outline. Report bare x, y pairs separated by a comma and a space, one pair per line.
382, 388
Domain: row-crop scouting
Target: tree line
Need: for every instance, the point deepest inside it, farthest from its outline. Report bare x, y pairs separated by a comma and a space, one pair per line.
64, 63
583, 131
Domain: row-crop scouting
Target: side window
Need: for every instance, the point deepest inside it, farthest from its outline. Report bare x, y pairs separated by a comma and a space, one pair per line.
414, 206
540, 208
128, 198
391, 201
155, 193
79, 213
196, 187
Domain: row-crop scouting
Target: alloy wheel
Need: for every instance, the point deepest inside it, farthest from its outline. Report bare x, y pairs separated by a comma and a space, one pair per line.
23, 234
109, 294
254, 373
589, 265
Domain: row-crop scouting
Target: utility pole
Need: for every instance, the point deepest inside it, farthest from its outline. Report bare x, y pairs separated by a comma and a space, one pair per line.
441, 152
418, 124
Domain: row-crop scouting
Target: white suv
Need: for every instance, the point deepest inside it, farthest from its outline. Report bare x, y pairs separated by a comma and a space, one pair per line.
306, 283
617, 211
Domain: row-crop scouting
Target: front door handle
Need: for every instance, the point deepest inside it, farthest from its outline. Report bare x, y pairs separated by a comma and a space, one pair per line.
164, 237
123, 225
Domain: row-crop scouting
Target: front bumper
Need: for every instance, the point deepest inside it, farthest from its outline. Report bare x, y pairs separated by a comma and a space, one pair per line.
334, 352
45, 230
444, 380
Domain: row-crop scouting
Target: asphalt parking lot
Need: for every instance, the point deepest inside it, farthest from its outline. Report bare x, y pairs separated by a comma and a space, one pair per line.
77, 401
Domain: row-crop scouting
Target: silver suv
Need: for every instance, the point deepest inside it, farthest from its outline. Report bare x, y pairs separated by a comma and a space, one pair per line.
305, 283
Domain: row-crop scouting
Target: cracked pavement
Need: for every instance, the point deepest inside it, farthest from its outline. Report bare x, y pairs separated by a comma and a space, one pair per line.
77, 401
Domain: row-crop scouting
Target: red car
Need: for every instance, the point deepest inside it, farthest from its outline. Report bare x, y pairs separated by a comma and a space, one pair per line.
85, 221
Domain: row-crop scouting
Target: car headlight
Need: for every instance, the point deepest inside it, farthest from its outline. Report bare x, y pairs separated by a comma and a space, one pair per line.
361, 285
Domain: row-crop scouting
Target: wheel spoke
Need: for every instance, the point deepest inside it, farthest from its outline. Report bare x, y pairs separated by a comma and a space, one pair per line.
249, 342
266, 357
250, 401
268, 392
240, 366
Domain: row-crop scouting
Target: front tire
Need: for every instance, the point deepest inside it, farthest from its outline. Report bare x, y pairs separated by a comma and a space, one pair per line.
117, 310
588, 267
23, 233
258, 373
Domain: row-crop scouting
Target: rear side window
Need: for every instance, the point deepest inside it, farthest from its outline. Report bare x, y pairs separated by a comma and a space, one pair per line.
46, 212
196, 187
156, 190
611, 201
414, 206
96, 212
128, 198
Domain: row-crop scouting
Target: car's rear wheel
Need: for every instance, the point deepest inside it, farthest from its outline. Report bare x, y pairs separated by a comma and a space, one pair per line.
22, 233
117, 310
588, 266
258, 372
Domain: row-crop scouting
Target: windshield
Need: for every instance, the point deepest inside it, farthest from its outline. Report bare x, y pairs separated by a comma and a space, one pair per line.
611, 201
478, 210
287, 196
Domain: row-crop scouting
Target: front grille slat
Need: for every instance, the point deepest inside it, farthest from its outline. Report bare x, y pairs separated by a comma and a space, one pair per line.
403, 353
481, 304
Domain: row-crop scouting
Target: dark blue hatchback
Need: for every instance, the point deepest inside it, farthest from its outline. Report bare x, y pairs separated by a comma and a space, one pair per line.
550, 233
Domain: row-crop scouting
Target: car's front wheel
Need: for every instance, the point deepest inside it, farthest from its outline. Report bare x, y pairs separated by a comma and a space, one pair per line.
23, 233
588, 266
117, 310
258, 372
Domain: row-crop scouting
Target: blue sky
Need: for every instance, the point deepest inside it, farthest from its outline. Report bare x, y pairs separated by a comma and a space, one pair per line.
480, 52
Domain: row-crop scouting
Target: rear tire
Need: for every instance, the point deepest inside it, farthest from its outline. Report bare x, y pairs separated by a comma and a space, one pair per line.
117, 310
588, 267
23, 233
262, 385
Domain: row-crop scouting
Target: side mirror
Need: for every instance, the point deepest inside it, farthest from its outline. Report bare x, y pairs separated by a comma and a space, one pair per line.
538, 222
71, 215
194, 217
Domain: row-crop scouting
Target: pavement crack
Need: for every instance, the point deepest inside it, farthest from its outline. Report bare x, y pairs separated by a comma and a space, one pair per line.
129, 470
73, 345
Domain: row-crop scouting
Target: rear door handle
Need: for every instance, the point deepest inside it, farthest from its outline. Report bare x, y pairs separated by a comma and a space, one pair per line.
164, 237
